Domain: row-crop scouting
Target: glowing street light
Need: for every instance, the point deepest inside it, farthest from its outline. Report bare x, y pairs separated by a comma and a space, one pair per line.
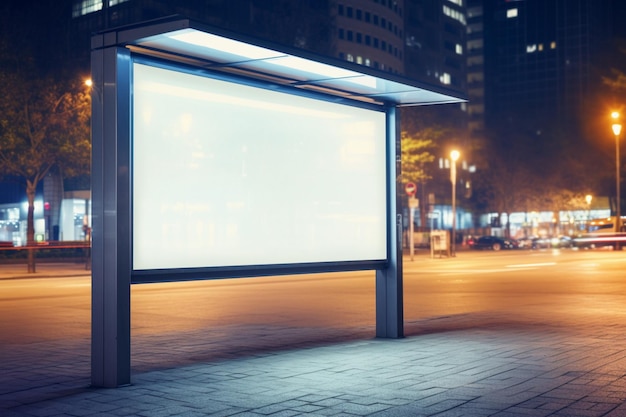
617, 129
454, 155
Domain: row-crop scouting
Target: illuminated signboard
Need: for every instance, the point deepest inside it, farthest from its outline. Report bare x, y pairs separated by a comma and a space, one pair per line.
234, 175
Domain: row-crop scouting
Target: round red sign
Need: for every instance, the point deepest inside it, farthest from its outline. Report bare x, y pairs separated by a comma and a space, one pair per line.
410, 189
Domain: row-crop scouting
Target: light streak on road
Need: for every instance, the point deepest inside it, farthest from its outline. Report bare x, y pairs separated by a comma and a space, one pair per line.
536, 265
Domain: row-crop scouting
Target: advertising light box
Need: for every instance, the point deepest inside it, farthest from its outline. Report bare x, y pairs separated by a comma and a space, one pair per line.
234, 175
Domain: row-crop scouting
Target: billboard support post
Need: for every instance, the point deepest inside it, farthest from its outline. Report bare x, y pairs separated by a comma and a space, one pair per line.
389, 294
110, 311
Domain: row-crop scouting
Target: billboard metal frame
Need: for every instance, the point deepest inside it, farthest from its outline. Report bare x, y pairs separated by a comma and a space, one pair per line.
113, 53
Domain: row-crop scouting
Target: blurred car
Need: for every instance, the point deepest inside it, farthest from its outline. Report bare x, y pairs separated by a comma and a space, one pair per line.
525, 242
557, 242
493, 243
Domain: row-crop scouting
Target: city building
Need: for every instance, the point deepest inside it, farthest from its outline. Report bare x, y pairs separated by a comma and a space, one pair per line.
540, 56
370, 33
475, 65
436, 42
539, 67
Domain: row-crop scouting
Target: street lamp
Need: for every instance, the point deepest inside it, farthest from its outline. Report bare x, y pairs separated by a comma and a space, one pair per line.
617, 129
588, 199
454, 155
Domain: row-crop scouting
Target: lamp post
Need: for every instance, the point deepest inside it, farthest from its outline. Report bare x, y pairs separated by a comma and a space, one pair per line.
454, 156
588, 199
617, 129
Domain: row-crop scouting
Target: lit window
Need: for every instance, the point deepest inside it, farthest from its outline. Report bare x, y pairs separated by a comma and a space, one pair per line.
445, 78
540, 47
531, 48
368, 63
454, 14
459, 49
81, 8
85, 7
350, 58
459, 2
510, 13
552, 45
359, 60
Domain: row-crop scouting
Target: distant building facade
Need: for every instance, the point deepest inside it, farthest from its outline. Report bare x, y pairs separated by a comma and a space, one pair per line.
475, 69
541, 55
370, 33
436, 42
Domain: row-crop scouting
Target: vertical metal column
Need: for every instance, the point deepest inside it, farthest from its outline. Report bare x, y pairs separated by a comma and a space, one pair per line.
110, 292
389, 291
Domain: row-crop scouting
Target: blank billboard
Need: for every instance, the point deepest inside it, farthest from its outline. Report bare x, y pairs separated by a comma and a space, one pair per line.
231, 175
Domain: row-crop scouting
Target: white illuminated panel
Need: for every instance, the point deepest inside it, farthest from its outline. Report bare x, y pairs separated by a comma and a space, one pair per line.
226, 175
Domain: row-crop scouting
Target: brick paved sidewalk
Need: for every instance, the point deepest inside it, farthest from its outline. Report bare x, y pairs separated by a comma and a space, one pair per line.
440, 369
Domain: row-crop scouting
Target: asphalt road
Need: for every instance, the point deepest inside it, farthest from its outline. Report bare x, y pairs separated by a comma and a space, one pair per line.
522, 282
225, 318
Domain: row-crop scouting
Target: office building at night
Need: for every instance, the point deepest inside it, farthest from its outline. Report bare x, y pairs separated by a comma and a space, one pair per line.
540, 57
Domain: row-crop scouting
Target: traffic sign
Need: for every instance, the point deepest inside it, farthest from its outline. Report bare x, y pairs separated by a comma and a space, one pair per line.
410, 189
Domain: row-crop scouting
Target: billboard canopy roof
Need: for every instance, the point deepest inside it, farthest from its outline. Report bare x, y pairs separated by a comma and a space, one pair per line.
190, 43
